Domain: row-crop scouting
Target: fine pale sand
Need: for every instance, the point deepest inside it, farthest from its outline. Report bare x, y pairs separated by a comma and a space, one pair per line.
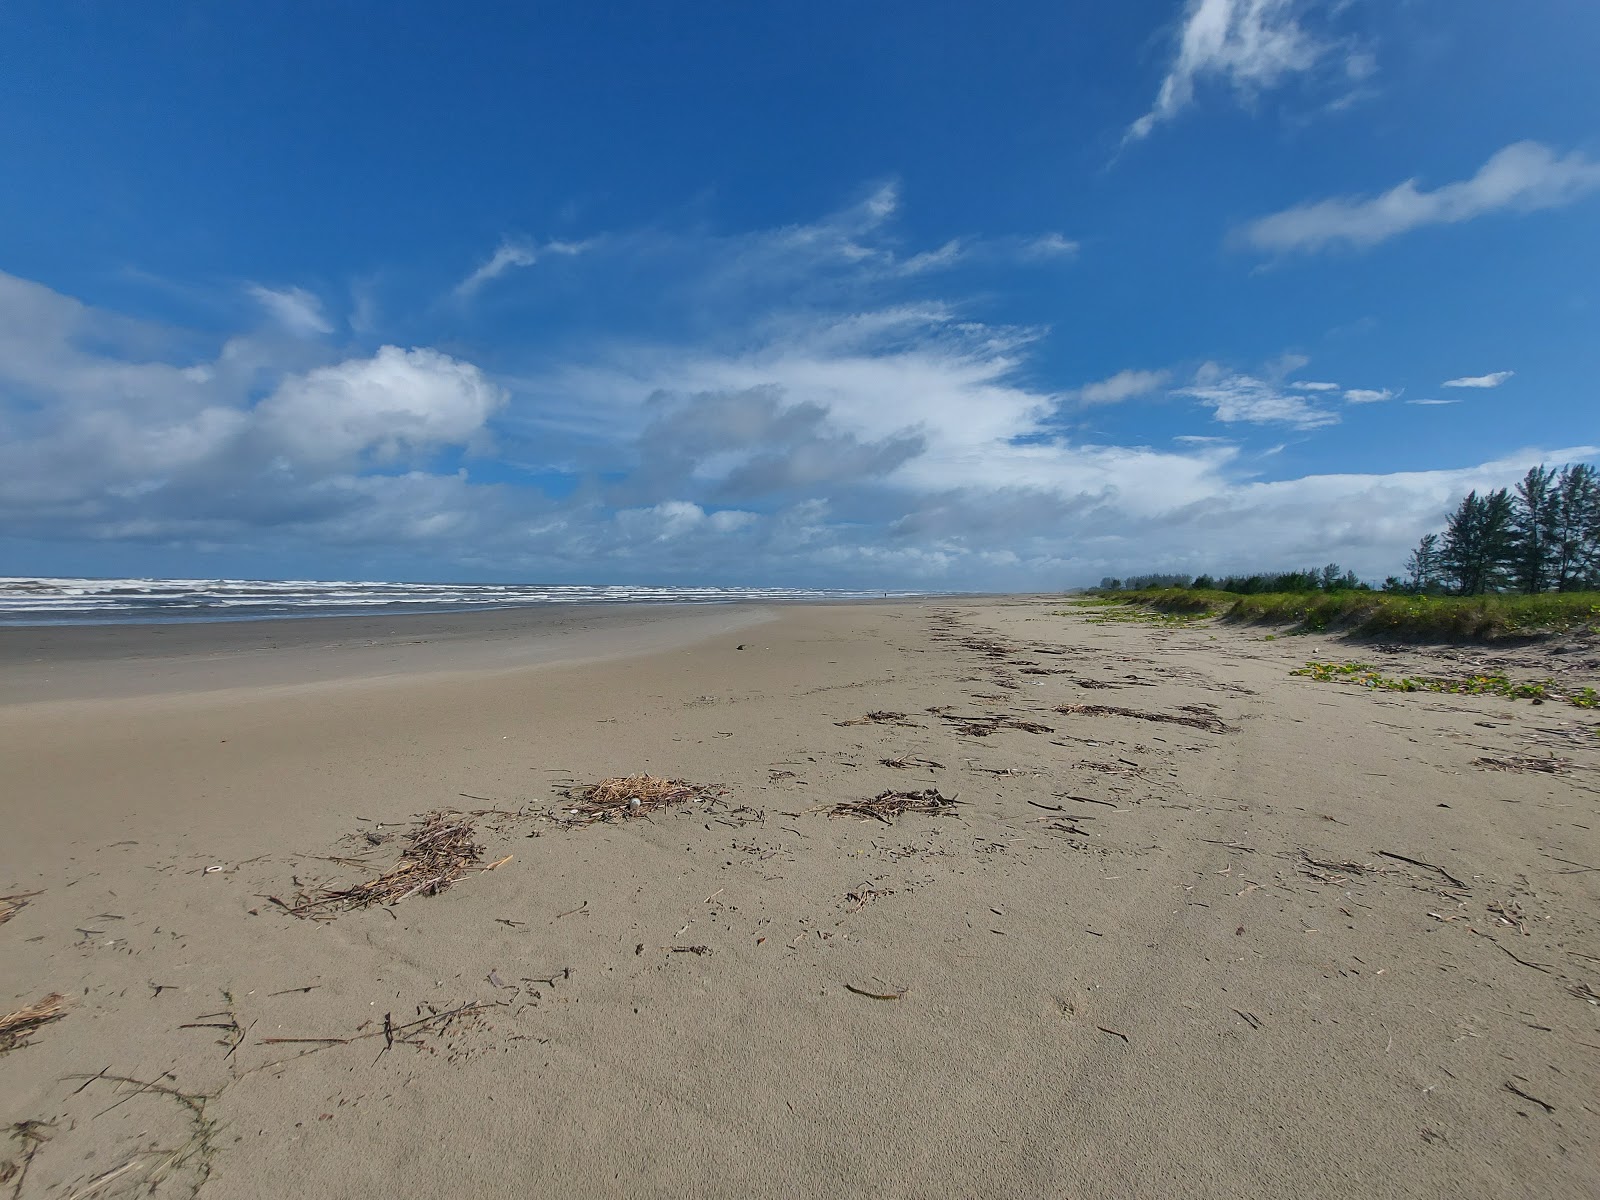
1297, 941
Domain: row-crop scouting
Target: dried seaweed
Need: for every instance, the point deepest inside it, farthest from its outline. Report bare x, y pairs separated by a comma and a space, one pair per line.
439, 851
888, 805
880, 718
985, 724
16, 1027
1195, 719
624, 796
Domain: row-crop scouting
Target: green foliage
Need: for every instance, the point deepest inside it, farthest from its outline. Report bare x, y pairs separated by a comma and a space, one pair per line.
1395, 615
1367, 676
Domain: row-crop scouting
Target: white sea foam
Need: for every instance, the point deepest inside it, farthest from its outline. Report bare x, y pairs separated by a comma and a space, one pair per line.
29, 600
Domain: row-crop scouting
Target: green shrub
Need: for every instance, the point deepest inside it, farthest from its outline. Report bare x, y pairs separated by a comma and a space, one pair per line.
1385, 614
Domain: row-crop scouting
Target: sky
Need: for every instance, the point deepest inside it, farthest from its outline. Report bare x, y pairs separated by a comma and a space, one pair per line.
873, 294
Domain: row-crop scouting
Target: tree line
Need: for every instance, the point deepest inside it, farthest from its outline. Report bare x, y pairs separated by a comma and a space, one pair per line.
1331, 578
1541, 536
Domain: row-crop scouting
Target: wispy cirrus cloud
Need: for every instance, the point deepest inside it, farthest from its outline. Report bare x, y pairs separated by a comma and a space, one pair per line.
1367, 395
508, 256
1492, 380
1124, 385
1250, 46
1523, 177
1235, 397
296, 309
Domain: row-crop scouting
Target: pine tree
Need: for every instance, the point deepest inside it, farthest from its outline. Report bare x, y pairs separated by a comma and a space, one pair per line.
1575, 528
1534, 559
1479, 542
1423, 568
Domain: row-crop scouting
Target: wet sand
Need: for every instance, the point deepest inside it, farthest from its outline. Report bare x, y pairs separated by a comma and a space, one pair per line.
1294, 937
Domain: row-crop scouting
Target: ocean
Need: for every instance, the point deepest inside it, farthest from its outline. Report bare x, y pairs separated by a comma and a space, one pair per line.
29, 600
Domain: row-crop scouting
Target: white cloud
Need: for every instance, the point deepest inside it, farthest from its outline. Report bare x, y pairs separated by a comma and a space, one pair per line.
1433, 403
510, 255
853, 433
931, 260
1235, 397
1124, 385
1251, 45
1313, 385
1493, 380
1050, 245
392, 406
1367, 395
296, 309
1523, 177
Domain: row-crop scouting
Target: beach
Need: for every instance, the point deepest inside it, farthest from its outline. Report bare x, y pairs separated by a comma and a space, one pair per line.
1175, 920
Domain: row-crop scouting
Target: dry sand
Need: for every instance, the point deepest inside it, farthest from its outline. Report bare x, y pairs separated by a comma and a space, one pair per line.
1297, 944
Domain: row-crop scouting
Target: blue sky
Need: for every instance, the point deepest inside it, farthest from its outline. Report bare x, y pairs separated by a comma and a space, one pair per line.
945, 295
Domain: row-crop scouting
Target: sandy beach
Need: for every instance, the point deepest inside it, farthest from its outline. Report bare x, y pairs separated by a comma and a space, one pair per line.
1193, 925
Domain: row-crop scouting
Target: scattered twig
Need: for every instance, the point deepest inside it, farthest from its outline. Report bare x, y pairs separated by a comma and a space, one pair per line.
1540, 967
888, 805
32, 1135
1114, 1033
1516, 1091
850, 987
1417, 862
1201, 720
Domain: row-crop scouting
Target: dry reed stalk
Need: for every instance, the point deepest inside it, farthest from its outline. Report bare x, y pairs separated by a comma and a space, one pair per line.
15, 1027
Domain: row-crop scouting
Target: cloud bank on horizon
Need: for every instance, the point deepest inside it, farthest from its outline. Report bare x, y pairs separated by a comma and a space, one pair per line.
881, 386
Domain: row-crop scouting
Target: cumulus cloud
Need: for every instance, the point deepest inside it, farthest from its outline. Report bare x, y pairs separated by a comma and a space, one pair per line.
1523, 177
1236, 397
296, 309
1249, 45
1124, 385
1492, 380
1367, 395
392, 406
1313, 385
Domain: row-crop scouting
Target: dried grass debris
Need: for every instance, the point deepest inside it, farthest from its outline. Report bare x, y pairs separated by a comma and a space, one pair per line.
623, 796
1550, 765
1196, 718
439, 851
10, 906
17, 1027
890, 804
